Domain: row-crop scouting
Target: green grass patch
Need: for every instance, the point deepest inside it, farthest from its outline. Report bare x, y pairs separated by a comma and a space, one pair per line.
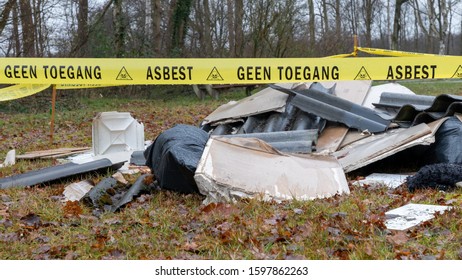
36, 224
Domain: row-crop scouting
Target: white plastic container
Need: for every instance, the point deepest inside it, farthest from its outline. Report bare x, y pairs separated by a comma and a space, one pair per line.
116, 132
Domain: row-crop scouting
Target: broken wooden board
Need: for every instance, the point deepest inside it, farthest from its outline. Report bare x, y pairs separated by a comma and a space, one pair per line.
53, 153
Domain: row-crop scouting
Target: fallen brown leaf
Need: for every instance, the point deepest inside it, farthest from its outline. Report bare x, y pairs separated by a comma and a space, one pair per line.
72, 209
30, 221
398, 238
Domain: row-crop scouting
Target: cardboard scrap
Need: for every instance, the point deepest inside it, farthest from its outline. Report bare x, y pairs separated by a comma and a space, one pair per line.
75, 191
410, 215
380, 179
232, 168
120, 178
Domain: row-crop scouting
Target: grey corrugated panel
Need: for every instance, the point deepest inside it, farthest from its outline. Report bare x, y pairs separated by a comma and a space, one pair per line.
137, 158
281, 136
222, 129
442, 105
300, 141
305, 121
135, 190
98, 195
274, 122
337, 109
426, 117
291, 118
321, 88
266, 100
55, 172
397, 100
409, 116
281, 121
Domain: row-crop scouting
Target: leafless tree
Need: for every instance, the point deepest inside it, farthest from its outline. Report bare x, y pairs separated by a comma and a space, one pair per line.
433, 19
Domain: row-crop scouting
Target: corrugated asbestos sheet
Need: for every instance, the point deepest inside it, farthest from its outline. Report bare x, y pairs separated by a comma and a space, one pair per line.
266, 100
286, 141
55, 172
375, 93
397, 100
336, 109
271, 111
283, 121
334, 134
412, 110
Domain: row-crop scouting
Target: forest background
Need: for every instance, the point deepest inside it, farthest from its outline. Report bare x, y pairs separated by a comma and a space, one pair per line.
213, 28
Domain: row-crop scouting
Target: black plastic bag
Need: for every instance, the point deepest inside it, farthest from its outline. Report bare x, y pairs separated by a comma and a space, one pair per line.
447, 147
440, 176
174, 155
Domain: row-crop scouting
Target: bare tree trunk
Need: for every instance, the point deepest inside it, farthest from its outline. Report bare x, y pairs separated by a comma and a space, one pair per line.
388, 24
416, 36
338, 18
325, 16
312, 25
5, 14
156, 21
82, 28
39, 25
148, 30
119, 25
16, 39
354, 17
443, 23
231, 31
238, 27
397, 24
180, 23
28, 30
368, 12
207, 30
170, 24
437, 22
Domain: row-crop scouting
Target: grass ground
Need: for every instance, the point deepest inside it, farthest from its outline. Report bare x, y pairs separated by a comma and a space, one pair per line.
36, 224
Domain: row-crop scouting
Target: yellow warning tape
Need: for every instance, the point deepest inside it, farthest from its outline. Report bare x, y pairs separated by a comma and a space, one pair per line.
19, 91
23, 90
109, 72
384, 52
341, 55
35, 74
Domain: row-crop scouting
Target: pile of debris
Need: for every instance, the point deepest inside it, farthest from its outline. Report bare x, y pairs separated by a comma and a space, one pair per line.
288, 141
298, 141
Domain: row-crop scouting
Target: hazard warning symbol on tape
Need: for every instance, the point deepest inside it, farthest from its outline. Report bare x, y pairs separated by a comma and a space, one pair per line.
458, 73
123, 75
214, 75
363, 75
